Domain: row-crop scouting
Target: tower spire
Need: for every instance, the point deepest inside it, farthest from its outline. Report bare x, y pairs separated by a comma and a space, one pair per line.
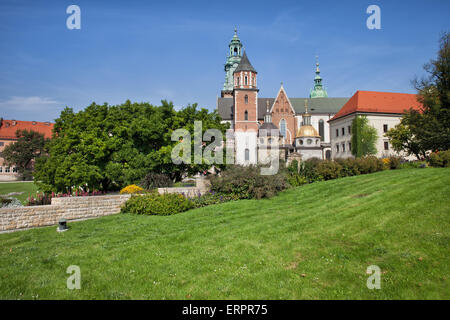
318, 91
234, 57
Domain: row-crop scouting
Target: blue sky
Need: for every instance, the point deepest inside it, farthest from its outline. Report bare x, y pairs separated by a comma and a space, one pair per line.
175, 50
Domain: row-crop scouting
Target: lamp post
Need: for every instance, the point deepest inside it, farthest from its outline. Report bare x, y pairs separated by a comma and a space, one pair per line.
62, 225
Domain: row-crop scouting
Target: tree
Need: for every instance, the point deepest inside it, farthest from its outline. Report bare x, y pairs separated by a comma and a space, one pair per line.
107, 147
22, 153
364, 137
403, 139
428, 128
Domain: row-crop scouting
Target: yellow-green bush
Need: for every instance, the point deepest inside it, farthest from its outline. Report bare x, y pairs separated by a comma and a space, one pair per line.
157, 204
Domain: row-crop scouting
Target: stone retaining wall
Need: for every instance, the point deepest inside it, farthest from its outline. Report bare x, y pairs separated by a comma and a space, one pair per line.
70, 208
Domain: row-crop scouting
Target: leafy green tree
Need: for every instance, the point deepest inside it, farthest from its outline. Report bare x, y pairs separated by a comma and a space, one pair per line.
428, 129
402, 138
107, 147
22, 153
364, 137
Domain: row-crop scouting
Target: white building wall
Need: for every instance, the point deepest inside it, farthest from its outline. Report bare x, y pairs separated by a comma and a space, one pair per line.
245, 140
375, 120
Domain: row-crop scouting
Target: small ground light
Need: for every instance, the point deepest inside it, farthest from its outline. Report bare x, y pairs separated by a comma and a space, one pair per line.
62, 225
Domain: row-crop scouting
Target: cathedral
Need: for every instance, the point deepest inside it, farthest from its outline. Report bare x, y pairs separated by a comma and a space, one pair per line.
298, 125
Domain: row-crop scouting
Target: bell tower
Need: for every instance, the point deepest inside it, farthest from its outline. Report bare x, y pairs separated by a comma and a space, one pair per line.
234, 57
245, 101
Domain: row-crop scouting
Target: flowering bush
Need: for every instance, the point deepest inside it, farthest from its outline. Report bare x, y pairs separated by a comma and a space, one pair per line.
132, 189
41, 199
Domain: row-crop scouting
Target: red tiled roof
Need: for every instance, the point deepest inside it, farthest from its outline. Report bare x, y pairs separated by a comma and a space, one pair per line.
9, 127
378, 102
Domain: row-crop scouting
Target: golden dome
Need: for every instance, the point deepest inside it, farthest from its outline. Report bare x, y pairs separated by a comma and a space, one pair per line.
307, 131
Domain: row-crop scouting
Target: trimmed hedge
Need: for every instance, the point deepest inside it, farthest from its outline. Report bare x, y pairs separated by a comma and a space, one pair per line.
157, 204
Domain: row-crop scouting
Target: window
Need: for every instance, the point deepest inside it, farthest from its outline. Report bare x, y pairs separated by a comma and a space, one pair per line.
1, 169
343, 147
386, 145
237, 81
269, 141
15, 170
7, 169
385, 128
350, 146
337, 132
283, 128
321, 129
246, 115
247, 155
246, 99
246, 80
309, 141
349, 129
337, 148
235, 51
343, 131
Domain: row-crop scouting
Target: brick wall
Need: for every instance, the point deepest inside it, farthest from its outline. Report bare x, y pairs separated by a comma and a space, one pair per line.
70, 208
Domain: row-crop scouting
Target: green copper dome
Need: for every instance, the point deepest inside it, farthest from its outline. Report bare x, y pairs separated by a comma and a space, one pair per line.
233, 59
318, 91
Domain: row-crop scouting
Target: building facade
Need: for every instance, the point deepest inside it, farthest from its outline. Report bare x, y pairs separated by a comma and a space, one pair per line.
8, 129
383, 110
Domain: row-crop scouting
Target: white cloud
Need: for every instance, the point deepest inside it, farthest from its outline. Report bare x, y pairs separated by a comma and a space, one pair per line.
29, 108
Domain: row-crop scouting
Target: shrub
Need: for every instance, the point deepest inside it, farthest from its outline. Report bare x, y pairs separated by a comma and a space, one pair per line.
440, 159
246, 182
369, 164
412, 165
211, 198
394, 162
308, 170
293, 174
154, 180
328, 169
131, 189
157, 204
349, 167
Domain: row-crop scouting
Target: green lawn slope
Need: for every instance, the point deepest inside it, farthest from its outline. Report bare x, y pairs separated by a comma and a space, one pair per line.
312, 242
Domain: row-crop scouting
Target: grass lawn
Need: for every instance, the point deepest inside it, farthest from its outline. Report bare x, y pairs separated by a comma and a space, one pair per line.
312, 242
28, 188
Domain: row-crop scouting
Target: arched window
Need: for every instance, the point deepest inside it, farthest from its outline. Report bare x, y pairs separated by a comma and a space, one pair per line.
246, 115
283, 127
321, 129
246, 80
247, 155
235, 51
246, 99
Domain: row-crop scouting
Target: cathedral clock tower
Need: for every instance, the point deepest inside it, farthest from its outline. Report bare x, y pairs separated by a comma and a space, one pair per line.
245, 101
233, 59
